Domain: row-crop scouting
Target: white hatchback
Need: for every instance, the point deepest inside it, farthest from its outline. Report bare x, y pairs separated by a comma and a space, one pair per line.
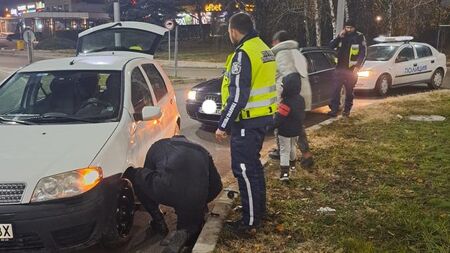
399, 63
70, 128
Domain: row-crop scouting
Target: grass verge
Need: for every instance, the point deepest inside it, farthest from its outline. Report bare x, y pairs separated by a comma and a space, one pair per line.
387, 177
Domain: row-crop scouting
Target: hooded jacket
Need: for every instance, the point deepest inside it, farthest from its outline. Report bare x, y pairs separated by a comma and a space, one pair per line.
291, 111
290, 60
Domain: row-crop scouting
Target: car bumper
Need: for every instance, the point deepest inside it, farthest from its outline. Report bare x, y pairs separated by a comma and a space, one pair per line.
60, 225
192, 109
365, 84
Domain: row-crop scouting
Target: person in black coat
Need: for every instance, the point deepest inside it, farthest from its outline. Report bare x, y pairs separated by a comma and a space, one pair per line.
289, 121
182, 175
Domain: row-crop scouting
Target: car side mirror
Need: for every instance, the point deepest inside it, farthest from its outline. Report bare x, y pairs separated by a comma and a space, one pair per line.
151, 113
401, 59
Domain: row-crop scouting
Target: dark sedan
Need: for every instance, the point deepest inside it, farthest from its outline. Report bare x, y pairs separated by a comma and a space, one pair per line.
204, 101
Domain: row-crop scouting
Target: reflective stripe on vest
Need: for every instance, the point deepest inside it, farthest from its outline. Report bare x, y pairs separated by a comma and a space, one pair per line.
354, 52
262, 100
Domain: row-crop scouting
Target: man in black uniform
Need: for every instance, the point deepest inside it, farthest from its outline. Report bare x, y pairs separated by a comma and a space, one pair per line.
352, 49
182, 175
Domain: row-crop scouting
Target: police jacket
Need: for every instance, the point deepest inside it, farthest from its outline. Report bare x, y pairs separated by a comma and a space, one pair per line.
240, 88
179, 173
291, 110
351, 49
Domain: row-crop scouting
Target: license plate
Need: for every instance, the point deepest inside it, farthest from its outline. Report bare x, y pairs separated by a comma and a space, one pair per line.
218, 112
6, 232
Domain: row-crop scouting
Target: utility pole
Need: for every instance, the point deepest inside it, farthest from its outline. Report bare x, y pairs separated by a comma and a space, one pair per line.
116, 6
340, 16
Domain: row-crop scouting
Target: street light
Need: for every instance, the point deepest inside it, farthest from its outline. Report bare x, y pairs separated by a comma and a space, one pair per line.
378, 18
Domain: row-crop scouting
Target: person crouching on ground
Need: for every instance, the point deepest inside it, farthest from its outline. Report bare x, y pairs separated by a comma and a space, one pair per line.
182, 175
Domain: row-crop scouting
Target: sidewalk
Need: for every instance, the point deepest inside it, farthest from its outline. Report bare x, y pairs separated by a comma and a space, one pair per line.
45, 54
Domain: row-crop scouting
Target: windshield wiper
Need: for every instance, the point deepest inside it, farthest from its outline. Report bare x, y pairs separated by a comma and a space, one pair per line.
52, 115
22, 122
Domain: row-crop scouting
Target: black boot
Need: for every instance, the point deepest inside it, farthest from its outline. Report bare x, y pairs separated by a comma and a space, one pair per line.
284, 175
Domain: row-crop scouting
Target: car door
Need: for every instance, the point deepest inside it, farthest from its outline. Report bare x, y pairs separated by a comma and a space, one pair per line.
426, 62
143, 133
322, 76
163, 99
313, 80
405, 66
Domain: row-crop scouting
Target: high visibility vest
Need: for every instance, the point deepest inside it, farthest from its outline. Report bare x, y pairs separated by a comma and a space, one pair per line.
263, 95
354, 52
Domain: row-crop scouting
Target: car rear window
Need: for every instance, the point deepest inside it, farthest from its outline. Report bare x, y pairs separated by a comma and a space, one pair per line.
156, 81
318, 62
423, 51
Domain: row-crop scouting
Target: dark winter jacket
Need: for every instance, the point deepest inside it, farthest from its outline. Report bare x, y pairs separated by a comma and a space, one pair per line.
343, 46
291, 110
179, 173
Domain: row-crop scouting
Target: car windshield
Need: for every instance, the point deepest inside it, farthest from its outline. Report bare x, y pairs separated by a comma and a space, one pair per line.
61, 96
380, 52
117, 39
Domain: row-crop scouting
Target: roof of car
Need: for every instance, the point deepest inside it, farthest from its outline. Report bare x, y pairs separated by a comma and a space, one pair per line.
399, 43
91, 62
311, 49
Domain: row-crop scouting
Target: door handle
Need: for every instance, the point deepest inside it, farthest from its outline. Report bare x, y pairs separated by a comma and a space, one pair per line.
432, 61
415, 64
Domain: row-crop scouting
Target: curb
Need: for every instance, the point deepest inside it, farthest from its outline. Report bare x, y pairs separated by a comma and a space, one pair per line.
207, 240
187, 81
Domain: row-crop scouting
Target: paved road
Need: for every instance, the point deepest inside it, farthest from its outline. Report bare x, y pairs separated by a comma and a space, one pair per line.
205, 137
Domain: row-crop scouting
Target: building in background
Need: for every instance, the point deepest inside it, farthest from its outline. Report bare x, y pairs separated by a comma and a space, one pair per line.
50, 16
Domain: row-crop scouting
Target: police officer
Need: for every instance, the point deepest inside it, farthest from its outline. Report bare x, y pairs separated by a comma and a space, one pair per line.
182, 175
249, 102
352, 49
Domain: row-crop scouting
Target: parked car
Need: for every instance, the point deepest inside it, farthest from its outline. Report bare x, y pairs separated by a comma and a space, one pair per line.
398, 62
321, 65
70, 129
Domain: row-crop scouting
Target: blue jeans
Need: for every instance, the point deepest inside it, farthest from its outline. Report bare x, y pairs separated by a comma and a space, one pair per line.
346, 78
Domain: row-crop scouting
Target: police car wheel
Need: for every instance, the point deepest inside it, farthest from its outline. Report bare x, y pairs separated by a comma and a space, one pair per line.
383, 85
118, 230
436, 79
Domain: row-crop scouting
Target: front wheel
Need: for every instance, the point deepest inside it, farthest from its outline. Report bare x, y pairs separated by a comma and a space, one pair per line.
118, 230
436, 79
383, 85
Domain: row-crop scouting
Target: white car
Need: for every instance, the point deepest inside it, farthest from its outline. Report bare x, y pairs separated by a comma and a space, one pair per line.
399, 62
69, 130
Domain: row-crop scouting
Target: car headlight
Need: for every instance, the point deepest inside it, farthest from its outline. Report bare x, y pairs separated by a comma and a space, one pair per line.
192, 94
363, 73
67, 184
209, 107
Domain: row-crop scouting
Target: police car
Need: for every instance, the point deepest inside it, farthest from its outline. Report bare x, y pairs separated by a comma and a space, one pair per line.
396, 62
70, 129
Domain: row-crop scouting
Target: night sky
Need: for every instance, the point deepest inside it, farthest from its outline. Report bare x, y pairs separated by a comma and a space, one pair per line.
11, 3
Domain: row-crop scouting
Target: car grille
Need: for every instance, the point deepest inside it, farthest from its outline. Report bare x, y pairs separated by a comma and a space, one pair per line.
11, 193
22, 242
201, 96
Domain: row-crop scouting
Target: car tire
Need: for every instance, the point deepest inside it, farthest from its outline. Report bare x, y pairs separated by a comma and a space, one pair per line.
118, 227
436, 79
383, 85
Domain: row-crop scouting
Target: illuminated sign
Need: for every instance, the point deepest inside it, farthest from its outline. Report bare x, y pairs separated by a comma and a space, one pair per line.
213, 7
13, 12
249, 7
22, 8
40, 5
